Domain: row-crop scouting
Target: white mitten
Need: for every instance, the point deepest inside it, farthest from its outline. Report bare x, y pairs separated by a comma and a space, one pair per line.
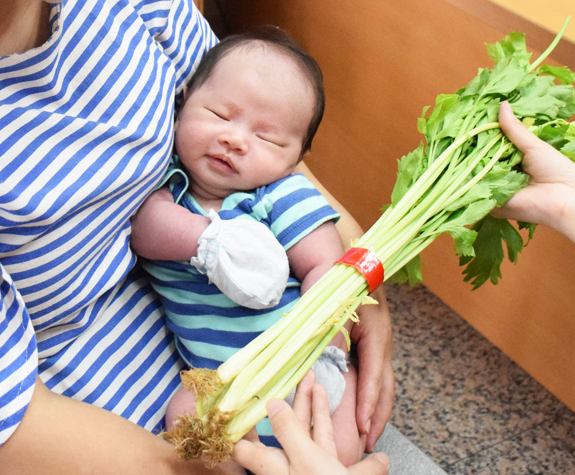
244, 260
328, 372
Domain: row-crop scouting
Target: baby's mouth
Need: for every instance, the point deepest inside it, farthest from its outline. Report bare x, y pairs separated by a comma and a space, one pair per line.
222, 162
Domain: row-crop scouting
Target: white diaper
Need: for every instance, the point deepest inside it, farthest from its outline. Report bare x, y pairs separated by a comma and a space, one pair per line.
328, 372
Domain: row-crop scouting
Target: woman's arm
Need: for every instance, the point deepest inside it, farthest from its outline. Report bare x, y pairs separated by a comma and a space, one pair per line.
373, 338
60, 435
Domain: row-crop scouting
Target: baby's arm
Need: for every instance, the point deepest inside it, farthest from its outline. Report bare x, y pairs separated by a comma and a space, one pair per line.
311, 257
164, 230
315, 254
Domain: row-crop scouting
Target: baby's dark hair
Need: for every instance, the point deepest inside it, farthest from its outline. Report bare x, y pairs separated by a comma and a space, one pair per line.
280, 40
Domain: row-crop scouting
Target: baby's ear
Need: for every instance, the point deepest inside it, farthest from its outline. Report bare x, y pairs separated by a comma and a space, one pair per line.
184, 97
302, 156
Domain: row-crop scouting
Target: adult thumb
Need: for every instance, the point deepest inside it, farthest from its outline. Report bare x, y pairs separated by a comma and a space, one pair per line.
523, 138
375, 464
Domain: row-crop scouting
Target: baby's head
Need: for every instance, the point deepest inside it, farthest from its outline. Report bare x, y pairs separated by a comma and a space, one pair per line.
273, 40
252, 109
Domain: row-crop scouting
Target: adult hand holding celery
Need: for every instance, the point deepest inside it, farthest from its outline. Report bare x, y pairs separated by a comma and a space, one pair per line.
463, 169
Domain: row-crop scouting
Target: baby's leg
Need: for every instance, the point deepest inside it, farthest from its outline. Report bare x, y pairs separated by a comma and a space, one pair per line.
183, 402
349, 443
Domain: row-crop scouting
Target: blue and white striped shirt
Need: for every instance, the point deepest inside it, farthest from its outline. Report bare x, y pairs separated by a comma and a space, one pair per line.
86, 127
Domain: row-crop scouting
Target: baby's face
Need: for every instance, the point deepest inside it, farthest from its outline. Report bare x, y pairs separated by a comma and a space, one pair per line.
244, 127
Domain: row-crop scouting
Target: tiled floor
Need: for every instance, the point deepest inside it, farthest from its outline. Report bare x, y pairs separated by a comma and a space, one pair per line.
466, 404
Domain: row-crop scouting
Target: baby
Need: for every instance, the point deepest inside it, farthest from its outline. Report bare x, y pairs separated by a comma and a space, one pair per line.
214, 237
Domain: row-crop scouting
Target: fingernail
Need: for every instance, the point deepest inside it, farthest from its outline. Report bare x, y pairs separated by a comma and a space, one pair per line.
383, 459
368, 426
274, 406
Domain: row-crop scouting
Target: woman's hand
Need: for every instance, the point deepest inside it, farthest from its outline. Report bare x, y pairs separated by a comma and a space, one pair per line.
549, 198
307, 452
373, 338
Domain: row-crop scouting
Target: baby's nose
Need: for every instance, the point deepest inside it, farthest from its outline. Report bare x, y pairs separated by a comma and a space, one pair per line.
235, 141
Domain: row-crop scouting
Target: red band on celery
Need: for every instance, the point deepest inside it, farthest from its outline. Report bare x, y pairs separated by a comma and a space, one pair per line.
367, 264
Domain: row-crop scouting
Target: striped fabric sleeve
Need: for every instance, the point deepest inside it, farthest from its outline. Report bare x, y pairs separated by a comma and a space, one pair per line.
18, 357
182, 32
298, 209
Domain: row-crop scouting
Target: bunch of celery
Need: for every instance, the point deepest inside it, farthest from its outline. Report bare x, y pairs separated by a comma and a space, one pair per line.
465, 169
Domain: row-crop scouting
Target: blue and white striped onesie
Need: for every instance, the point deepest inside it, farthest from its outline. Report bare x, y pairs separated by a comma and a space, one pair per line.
209, 327
86, 133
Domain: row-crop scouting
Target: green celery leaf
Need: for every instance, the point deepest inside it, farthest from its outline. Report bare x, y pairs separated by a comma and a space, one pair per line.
510, 182
516, 158
444, 104
410, 272
510, 46
496, 52
530, 226
562, 73
409, 169
422, 122
478, 192
454, 119
566, 94
506, 77
554, 134
537, 101
476, 84
513, 240
559, 135
513, 44
464, 239
463, 236
569, 150
486, 264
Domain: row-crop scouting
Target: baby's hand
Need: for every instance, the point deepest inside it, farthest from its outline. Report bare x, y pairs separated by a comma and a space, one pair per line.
244, 260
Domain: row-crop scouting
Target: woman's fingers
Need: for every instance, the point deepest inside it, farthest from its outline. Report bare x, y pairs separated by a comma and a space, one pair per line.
375, 385
382, 411
289, 430
260, 459
252, 436
376, 464
302, 404
515, 130
322, 425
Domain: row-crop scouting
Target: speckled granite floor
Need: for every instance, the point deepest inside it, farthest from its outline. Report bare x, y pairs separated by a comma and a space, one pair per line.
466, 404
